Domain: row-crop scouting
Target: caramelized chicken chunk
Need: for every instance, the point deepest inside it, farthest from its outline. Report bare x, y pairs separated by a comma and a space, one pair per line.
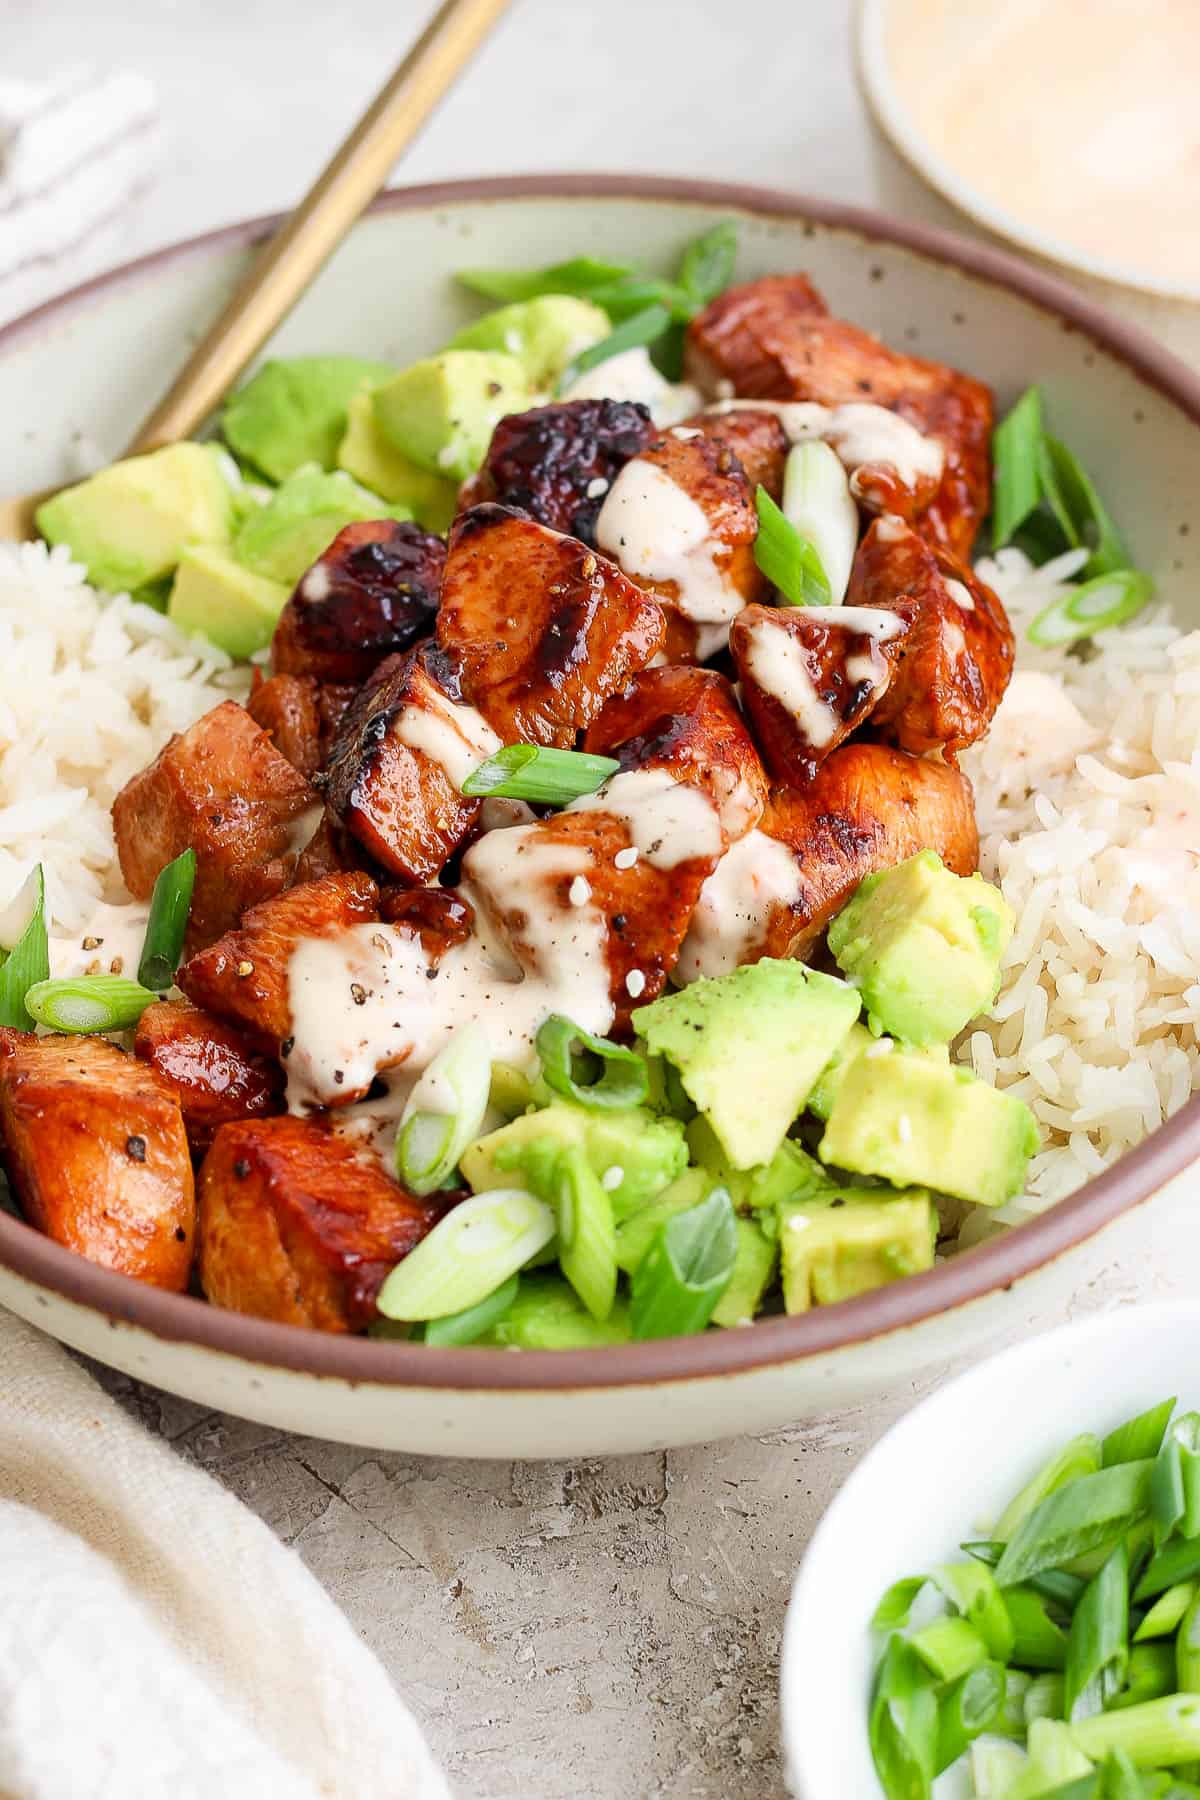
288, 709
222, 789
243, 977
374, 592
955, 660
774, 339
544, 629
405, 747
757, 439
97, 1153
215, 1074
301, 1226
558, 462
810, 675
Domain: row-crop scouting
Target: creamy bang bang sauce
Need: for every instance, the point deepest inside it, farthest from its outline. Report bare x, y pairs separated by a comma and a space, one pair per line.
863, 435
656, 532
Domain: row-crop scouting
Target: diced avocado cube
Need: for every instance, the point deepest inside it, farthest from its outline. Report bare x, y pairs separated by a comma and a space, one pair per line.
917, 1122
637, 1233
293, 411
130, 524
511, 1091
749, 1046
753, 1273
544, 335
860, 1042
924, 947
216, 596
833, 1247
547, 1314
665, 1090
301, 519
366, 454
791, 1171
634, 1153
442, 412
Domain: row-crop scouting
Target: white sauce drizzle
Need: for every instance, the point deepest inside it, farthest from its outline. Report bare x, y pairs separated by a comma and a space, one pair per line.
861, 433
120, 931
657, 532
890, 528
303, 829
960, 595
668, 821
317, 584
780, 667
756, 876
457, 738
632, 376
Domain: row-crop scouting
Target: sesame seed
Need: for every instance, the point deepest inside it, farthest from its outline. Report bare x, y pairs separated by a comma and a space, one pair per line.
92, 943
580, 891
635, 983
358, 993
94, 967
612, 1178
589, 566
596, 486
244, 969
381, 944
625, 859
116, 965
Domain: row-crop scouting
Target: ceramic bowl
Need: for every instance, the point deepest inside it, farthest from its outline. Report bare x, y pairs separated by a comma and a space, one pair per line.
90, 364
933, 1482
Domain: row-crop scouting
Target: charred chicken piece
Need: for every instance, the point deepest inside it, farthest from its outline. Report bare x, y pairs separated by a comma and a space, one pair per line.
374, 592
440, 917
243, 977
97, 1154
212, 1070
222, 789
405, 747
955, 660
757, 439
302, 1226
774, 339
557, 463
543, 628
289, 710
811, 675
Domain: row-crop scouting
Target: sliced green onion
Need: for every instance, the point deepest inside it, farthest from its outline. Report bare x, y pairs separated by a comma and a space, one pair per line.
535, 772
1187, 1650
444, 1112
1081, 1456
787, 559
1055, 1585
903, 1726
892, 1612
950, 1647
817, 500
87, 1003
638, 329
971, 1589
1054, 495
1079, 509
1097, 1647
467, 1255
1153, 1735
1090, 1511
166, 927
1093, 606
706, 268
1139, 1437
471, 1323
686, 1269
1039, 1642
1166, 1491
587, 1235
1185, 1433
592, 1071
1166, 1612
1178, 1562
27, 964
1151, 1673
972, 1706
1016, 486
581, 276
1045, 1697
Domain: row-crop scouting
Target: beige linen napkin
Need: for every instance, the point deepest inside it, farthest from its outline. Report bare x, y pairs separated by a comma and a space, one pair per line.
156, 1641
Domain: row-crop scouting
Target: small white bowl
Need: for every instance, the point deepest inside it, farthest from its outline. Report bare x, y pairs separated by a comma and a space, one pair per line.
935, 1480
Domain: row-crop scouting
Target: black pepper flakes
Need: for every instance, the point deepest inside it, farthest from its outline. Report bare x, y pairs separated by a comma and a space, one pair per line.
135, 1149
286, 1048
180, 1235
241, 1168
339, 1075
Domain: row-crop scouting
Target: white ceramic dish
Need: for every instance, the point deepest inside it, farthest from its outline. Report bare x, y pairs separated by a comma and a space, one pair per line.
91, 363
937, 1479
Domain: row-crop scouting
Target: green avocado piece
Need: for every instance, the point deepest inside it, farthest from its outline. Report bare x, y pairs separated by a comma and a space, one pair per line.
216, 596
919, 1122
637, 1233
924, 947
544, 335
860, 1042
366, 454
749, 1046
547, 1314
833, 1246
301, 519
130, 524
442, 412
293, 411
649, 1152
511, 1091
791, 1171
753, 1273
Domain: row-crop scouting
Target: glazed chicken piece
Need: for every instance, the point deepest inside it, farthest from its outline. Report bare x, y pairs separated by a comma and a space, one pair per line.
543, 628
810, 675
301, 1226
97, 1154
557, 463
222, 789
868, 808
757, 439
374, 592
405, 747
214, 1073
955, 660
243, 977
774, 339
289, 710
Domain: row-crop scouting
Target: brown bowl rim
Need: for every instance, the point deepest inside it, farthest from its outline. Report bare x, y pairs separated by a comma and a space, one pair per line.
994, 1265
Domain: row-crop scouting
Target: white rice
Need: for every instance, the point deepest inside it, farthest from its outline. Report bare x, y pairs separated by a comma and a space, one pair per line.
91, 686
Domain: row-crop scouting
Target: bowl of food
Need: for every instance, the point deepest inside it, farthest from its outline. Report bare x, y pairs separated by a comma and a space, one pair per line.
554, 831
1001, 1601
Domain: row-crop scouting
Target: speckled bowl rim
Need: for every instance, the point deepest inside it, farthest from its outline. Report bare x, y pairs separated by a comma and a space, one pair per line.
995, 1265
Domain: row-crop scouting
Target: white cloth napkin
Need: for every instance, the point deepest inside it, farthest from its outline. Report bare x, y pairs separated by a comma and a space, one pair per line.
156, 1641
